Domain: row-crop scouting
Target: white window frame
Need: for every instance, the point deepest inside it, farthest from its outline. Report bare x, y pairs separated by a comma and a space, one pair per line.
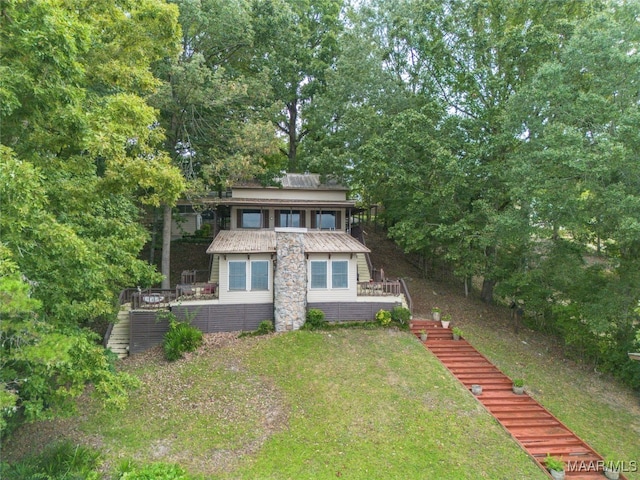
248, 276
346, 274
251, 277
244, 262
328, 275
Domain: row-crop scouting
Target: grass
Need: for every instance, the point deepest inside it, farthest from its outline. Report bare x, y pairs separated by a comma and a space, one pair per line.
582, 401
356, 403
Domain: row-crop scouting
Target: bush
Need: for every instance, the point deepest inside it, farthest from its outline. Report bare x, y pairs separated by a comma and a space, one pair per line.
61, 461
401, 316
181, 338
152, 471
383, 317
315, 320
265, 327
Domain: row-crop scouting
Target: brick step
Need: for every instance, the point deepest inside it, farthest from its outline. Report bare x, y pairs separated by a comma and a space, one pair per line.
498, 409
547, 422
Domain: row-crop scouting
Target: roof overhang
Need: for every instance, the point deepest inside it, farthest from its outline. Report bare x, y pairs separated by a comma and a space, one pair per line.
265, 241
273, 202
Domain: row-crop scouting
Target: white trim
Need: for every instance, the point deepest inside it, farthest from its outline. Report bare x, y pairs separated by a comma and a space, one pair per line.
291, 230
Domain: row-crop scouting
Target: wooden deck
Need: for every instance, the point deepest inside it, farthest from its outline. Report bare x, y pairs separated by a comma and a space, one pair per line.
535, 429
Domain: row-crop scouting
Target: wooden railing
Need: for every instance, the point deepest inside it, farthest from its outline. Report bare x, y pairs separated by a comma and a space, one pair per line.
375, 289
152, 298
407, 295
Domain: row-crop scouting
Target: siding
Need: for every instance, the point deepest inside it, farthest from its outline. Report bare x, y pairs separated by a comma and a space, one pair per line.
339, 294
337, 312
146, 332
244, 296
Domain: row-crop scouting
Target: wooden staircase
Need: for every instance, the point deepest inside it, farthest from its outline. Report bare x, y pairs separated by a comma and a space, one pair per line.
363, 269
120, 336
536, 430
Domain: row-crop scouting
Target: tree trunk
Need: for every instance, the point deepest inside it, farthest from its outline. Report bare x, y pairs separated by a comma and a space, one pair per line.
166, 247
292, 107
487, 290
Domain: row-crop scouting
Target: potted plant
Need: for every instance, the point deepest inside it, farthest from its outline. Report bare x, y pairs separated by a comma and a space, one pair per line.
446, 319
476, 389
518, 386
611, 470
435, 313
457, 333
555, 466
423, 335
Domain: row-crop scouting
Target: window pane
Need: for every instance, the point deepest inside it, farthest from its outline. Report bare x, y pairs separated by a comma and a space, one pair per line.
290, 218
251, 219
326, 220
318, 274
340, 274
237, 275
260, 275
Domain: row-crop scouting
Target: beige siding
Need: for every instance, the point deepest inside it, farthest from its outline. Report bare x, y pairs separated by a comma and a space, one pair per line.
349, 294
293, 194
188, 226
227, 296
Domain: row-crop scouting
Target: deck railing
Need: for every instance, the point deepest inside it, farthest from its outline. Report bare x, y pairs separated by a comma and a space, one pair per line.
152, 298
407, 295
376, 289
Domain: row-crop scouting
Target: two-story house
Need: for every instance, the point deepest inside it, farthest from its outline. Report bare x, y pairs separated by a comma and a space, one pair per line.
276, 253
289, 249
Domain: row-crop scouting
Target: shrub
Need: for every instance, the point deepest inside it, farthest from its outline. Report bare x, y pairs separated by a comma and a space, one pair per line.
152, 471
265, 327
401, 315
315, 320
383, 317
181, 338
61, 461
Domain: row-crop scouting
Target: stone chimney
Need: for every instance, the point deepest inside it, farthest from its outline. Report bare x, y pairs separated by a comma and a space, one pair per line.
290, 280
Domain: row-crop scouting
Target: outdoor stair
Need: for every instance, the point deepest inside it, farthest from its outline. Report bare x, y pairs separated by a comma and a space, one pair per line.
120, 335
535, 429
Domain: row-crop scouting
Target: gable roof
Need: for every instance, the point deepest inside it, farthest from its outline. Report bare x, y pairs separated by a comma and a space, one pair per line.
264, 241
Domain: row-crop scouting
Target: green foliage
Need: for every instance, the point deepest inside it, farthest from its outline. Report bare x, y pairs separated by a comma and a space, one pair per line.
383, 317
265, 327
401, 316
153, 471
554, 463
518, 382
180, 339
60, 461
315, 320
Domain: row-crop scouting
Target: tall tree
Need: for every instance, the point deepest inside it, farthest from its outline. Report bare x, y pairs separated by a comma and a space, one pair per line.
80, 152
296, 45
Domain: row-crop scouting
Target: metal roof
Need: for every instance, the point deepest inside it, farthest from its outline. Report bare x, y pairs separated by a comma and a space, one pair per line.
264, 241
302, 181
275, 202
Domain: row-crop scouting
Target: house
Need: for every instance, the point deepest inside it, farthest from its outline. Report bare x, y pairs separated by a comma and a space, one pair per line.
276, 252
289, 249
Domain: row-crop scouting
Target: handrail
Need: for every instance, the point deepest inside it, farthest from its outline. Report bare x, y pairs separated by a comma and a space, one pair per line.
407, 295
124, 297
374, 289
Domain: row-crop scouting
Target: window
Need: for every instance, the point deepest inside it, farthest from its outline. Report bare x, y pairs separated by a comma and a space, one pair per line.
290, 218
260, 275
237, 275
318, 274
340, 274
250, 219
325, 219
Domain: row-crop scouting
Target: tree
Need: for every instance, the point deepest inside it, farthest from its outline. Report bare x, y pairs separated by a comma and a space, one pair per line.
296, 45
80, 153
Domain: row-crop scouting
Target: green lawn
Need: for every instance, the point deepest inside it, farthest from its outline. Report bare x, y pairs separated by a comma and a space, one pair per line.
356, 404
